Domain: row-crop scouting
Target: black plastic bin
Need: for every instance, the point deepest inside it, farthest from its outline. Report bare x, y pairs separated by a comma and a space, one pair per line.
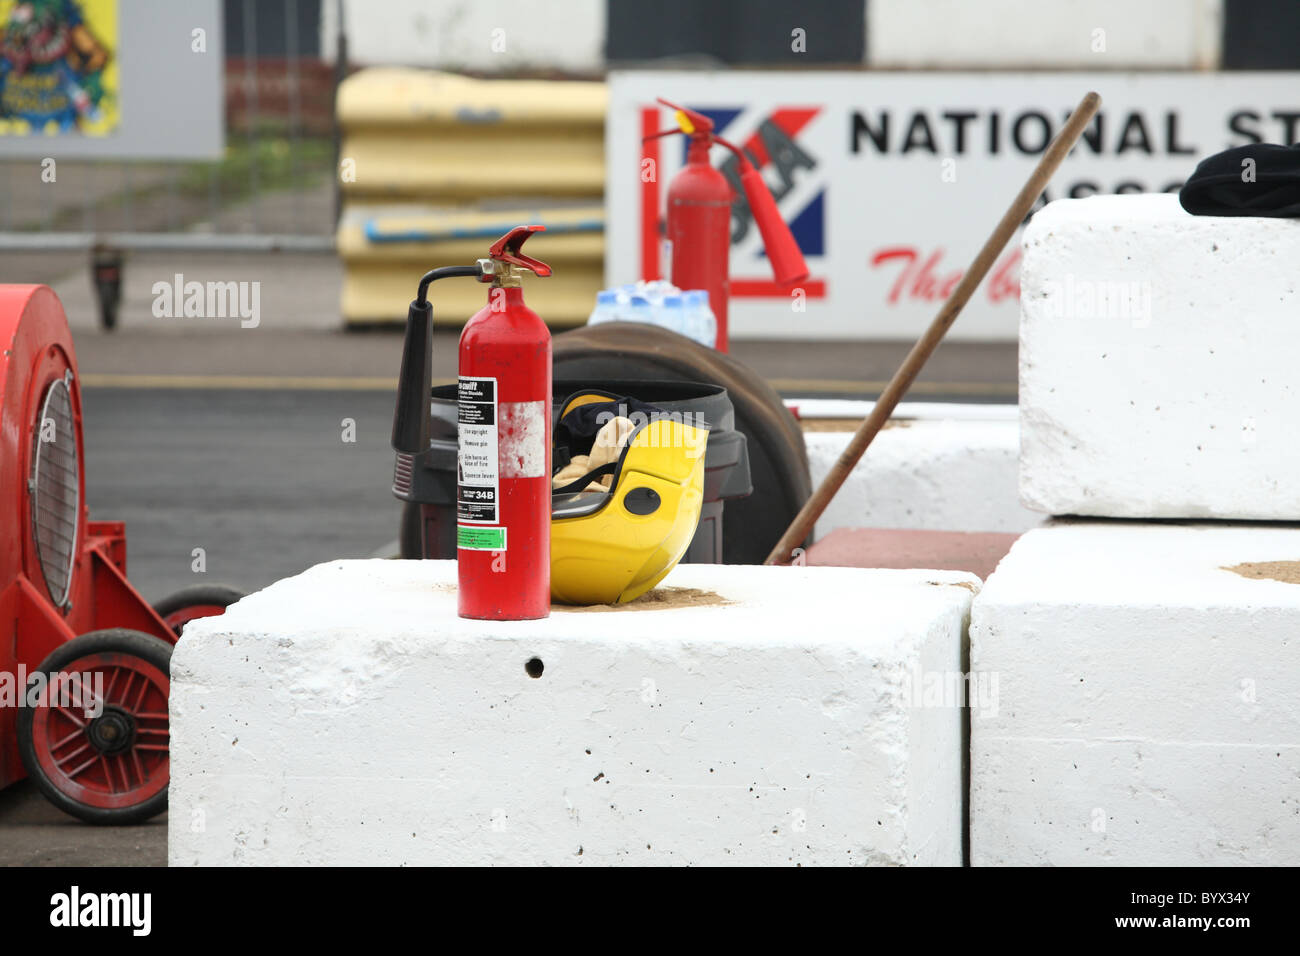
427, 482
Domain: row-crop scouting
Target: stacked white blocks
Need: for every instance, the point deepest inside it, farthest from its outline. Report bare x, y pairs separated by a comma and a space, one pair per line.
769, 716
1149, 705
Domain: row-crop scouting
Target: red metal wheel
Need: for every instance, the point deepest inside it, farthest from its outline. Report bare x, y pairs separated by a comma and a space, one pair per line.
95, 739
201, 600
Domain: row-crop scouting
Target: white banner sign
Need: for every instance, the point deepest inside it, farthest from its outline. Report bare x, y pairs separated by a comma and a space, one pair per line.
891, 181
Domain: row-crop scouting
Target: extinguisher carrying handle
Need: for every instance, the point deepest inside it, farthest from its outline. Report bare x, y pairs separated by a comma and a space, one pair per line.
415, 381
689, 121
508, 249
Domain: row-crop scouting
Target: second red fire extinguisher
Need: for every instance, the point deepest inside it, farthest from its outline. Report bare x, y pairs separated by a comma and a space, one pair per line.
699, 219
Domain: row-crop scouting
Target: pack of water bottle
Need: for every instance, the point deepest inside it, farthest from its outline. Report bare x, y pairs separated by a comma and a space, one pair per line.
659, 302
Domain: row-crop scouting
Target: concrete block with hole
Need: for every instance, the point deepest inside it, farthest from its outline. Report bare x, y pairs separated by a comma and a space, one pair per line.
1148, 706
1159, 362
738, 715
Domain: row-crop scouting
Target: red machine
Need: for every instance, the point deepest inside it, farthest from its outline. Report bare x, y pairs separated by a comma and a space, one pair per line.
503, 497
84, 659
699, 219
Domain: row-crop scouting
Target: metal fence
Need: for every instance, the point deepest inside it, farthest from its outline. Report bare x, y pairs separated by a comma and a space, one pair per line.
274, 189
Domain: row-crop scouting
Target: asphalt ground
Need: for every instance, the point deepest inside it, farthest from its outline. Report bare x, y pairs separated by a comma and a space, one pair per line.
267, 448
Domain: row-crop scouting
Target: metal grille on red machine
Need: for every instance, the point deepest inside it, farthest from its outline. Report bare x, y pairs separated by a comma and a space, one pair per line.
55, 489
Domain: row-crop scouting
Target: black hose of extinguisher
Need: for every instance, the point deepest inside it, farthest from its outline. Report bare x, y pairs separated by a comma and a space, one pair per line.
446, 272
415, 381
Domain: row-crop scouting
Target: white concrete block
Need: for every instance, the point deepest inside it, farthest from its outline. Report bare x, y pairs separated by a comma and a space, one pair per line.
931, 474
347, 716
1159, 362
1148, 706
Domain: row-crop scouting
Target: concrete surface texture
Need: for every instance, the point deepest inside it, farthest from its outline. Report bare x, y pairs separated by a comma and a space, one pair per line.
934, 474
1149, 707
1159, 362
744, 715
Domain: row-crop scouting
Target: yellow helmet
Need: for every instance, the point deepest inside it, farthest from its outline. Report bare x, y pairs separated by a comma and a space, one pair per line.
610, 547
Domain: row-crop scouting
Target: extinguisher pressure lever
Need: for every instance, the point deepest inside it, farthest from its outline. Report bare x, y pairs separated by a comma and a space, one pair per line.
689, 121
507, 250
415, 381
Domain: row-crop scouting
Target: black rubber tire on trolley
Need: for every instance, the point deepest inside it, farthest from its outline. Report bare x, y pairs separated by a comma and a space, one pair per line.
112, 768
778, 458
195, 601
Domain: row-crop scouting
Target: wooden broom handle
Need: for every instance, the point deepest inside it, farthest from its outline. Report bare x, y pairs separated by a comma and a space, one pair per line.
1056, 151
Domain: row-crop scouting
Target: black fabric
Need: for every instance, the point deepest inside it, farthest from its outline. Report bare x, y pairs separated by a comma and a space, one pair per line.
1218, 186
575, 433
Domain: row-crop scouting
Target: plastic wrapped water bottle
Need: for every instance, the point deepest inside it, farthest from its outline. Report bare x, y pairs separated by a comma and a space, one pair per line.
673, 315
606, 309
659, 302
638, 309
701, 321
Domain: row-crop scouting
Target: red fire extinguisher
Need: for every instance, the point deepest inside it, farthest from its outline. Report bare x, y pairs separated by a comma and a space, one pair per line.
503, 499
699, 219
503, 510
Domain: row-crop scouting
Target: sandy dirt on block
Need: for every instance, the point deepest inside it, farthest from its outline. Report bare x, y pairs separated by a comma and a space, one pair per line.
659, 599
1287, 571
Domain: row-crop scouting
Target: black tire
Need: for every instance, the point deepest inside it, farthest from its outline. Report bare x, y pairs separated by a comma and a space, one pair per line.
143, 647
197, 596
778, 458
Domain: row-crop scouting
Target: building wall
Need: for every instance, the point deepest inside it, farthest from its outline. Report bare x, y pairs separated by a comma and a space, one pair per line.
586, 36
503, 36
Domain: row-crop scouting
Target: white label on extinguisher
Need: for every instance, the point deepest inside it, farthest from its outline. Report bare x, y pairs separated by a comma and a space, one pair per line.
523, 439
477, 468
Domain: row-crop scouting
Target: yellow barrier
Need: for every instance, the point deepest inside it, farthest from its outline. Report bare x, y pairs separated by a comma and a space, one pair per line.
435, 166
380, 276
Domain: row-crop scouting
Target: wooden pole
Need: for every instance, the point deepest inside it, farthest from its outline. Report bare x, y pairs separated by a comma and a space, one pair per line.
898, 385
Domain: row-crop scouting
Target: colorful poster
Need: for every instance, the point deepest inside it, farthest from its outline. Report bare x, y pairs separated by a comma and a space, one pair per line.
58, 67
